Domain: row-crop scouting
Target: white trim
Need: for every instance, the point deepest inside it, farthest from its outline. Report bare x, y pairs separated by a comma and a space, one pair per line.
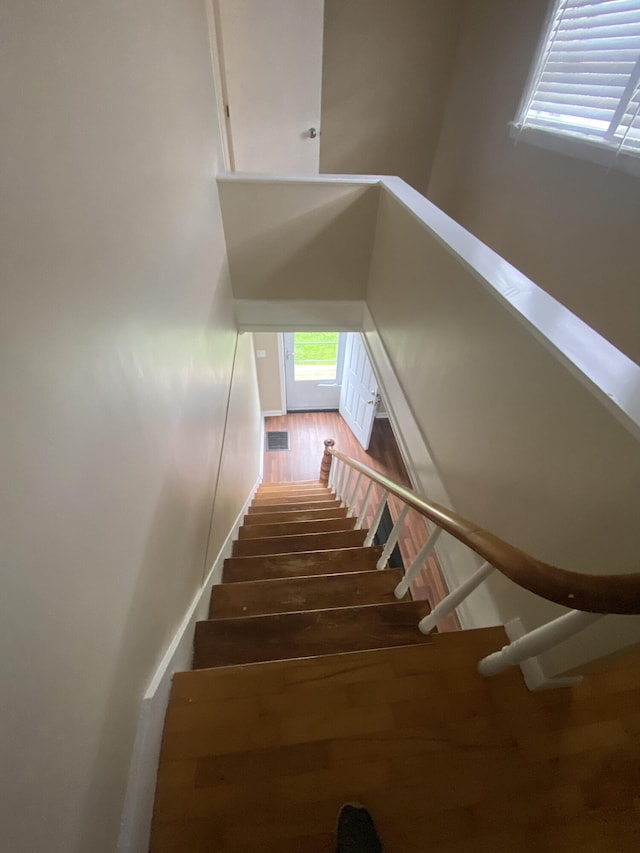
220, 82
458, 563
281, 373
257, 178
574, 146
274, 413
299, 315
135, 823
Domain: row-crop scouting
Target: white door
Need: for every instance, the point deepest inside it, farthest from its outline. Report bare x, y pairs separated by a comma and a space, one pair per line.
271, 52
359, 398
313, 363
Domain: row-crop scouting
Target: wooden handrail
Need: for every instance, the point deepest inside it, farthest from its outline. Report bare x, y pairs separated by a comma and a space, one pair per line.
618, 594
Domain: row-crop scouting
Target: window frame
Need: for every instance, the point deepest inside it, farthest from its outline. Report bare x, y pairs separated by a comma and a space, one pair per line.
563, 141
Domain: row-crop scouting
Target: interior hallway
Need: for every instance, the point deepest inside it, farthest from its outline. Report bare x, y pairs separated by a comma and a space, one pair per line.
307, 432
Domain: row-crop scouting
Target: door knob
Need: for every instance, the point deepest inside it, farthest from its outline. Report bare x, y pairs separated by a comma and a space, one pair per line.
312, 133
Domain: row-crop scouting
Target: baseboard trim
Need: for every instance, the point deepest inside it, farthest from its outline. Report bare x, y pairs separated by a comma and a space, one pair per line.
274, 413
135, 824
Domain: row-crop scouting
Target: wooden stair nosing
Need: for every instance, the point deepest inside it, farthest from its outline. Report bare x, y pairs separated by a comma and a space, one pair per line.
295, 515
292, 489
282, 636
203, 685
289, 499
302, 542
295, 528
313, 592
283, 484
300, 564
292, 507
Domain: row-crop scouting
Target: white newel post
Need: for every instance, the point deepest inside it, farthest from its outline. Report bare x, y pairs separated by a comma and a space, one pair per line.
537, 641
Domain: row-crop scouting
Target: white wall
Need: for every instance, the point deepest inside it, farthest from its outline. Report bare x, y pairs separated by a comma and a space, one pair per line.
270, 371
295, 239
521, 446
386, 72
570, 225
117, 337
242, 449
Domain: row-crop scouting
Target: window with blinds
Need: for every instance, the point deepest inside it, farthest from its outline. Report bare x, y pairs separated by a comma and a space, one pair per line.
586, 82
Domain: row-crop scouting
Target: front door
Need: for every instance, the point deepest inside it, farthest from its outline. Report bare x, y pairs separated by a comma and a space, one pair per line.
313, 364
359, 398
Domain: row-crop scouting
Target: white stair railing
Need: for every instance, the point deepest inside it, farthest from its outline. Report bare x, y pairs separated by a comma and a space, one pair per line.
590, 596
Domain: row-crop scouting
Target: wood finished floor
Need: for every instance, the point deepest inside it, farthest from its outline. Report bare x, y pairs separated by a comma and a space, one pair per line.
260, 757
307, 432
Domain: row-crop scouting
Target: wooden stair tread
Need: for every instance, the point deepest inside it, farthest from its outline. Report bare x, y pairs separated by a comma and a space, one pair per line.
285, 484
307, 505
286, 595
303, 497
445, 759
213, 684
295, 515
291, 488
302, 542
296, 528
227, 642
300, 564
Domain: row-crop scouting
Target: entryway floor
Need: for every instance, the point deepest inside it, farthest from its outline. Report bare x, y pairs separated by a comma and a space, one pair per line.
307, 431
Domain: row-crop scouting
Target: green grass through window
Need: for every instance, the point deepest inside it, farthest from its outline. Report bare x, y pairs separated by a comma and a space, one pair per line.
316, 347
316, 355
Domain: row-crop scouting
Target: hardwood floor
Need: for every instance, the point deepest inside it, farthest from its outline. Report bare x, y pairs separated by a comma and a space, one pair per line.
307, 432
261, 757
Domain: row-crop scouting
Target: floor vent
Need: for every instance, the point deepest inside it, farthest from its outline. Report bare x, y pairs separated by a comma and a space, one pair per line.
278, 440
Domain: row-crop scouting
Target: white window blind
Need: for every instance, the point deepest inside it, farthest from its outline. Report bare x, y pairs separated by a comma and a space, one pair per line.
586, 83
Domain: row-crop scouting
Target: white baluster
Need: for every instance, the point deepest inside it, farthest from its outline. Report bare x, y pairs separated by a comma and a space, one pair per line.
416, 567
343, 471
365, 506
332, 471
393, 538
344, 492
352, 500
448, 604
537, 641
376, 519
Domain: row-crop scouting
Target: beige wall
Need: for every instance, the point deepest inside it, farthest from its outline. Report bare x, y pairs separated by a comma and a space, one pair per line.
386, 74
569, 225
269, 370
117, 339
292, 239
242, 450
521, 446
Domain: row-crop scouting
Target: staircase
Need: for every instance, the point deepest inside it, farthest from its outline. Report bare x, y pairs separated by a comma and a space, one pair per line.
312, 686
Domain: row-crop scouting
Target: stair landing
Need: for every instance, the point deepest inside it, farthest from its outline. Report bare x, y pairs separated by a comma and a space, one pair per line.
261, 757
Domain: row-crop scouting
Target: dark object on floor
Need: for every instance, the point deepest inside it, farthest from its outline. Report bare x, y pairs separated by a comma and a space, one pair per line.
356, 832
278, 440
